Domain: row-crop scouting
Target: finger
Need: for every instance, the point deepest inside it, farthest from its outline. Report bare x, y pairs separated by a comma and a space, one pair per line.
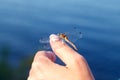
50, 55
35, 75
62, 50
43, 60
46, 54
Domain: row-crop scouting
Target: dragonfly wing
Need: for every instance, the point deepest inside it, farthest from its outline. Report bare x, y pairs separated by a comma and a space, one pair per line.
74, 35
44, 43
44, 40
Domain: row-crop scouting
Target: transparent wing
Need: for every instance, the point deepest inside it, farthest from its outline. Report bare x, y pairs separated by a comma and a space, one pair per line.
44, 39
44, 42
74, 35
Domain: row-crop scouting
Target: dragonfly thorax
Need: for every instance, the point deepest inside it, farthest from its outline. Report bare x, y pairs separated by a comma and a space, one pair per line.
62, 35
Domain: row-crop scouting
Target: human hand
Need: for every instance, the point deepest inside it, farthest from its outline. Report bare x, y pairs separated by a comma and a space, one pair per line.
44, 68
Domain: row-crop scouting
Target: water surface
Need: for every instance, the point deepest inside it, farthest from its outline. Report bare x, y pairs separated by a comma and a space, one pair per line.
22, 22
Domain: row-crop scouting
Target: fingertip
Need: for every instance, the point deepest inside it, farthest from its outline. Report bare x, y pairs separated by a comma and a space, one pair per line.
56, 42
59, 44
45, 54
54, 38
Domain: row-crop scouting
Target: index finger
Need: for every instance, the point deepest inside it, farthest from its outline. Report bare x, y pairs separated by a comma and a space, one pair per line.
62, 50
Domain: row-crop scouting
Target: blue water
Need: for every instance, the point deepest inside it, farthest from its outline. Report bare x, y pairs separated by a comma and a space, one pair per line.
22, 22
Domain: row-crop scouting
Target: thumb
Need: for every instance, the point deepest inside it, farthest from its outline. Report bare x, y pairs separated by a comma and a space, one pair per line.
62, 50
45, 54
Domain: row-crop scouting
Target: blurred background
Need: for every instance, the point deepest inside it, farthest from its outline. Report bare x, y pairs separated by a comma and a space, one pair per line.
23, 22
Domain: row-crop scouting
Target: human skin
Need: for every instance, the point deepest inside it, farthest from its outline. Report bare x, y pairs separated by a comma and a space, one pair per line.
44, 66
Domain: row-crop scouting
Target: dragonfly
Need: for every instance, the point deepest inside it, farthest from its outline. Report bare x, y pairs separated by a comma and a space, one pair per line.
69, 37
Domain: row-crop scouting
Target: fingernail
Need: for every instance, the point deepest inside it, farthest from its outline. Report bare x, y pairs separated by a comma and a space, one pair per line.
54, 38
